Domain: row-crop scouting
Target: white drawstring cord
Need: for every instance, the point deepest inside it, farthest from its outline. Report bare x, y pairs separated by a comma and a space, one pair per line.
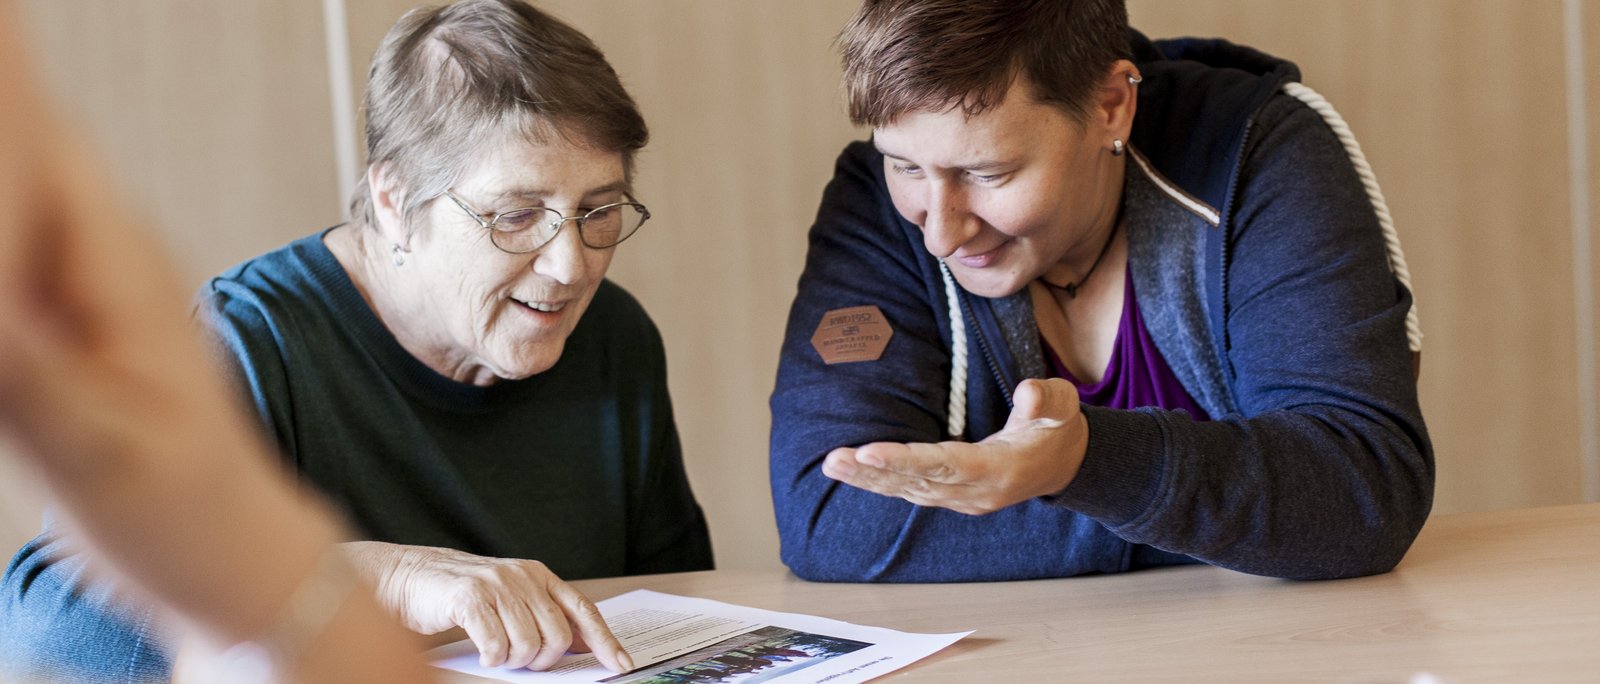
958, 357
1397, 258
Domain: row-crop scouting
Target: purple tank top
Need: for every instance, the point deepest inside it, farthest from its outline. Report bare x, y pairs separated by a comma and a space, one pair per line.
1137, 375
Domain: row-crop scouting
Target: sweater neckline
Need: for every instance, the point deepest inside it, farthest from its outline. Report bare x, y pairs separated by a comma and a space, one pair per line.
415, 377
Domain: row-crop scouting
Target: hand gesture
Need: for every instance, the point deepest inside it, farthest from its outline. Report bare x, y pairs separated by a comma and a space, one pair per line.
1037, 453
517, 612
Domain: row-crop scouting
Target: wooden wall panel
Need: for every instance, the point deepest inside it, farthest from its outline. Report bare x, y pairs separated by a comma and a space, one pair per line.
214, 113
1460, 107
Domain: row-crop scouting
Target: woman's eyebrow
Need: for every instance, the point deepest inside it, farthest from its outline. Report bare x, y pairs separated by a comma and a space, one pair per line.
540, 194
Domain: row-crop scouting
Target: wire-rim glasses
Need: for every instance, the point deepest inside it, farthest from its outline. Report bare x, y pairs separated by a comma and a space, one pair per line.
519, 231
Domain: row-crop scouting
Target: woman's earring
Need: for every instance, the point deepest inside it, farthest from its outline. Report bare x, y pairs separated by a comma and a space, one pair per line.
399, 256
1117, 149
1135, 79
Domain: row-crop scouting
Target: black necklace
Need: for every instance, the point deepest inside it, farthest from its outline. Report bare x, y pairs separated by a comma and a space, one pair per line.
1072, 288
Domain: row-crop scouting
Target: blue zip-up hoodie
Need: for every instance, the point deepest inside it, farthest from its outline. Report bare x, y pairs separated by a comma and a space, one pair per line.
1263, 276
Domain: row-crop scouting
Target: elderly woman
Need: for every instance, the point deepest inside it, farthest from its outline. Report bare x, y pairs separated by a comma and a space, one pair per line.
450, 366
1090, 303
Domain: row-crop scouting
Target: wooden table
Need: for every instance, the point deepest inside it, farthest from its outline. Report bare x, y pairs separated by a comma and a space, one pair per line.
1508, 596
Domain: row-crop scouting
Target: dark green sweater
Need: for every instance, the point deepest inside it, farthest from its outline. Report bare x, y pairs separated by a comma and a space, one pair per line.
578, 467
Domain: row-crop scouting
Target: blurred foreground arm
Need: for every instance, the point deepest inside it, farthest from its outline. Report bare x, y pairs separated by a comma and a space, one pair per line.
103, 386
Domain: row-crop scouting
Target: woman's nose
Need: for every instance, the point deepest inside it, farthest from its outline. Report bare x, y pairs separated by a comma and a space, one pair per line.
562, 258
947, 224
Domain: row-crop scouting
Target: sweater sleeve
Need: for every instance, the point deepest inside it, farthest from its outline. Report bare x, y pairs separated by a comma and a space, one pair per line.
59, 624
862, 253
247, 345
1327, 470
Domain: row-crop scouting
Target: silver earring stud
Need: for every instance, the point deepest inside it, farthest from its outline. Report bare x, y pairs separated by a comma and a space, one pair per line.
1117, 148
399, 256
1135, 79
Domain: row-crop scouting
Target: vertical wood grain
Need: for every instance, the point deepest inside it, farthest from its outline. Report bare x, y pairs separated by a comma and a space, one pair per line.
214, 114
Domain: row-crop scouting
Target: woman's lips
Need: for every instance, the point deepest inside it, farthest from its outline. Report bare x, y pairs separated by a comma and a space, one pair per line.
544, 312
543, 307
983, 260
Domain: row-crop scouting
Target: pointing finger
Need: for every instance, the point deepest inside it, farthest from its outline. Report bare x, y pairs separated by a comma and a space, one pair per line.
592, 627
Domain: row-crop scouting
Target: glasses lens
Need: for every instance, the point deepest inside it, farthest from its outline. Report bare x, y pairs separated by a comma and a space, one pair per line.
611, 224
524, 230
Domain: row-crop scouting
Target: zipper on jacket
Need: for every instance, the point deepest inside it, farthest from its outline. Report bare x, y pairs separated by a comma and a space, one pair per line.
983, 346
1225, 227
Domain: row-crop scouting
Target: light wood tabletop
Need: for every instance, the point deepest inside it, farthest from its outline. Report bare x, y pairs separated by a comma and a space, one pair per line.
1507, 596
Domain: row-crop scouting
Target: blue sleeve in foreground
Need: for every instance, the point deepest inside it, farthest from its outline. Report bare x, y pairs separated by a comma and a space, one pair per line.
57, 624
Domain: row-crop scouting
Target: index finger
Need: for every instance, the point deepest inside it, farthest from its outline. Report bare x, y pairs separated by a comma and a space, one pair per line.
591, 625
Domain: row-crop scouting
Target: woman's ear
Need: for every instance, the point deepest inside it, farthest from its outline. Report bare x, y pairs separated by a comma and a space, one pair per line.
388, 202
1118, 100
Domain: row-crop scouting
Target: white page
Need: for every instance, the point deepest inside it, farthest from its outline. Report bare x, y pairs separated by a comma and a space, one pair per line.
683, 639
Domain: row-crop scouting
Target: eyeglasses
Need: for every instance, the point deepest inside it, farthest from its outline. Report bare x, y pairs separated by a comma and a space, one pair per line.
524, 230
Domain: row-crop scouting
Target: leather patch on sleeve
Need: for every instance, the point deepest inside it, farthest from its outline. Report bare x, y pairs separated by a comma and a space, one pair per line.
858, 333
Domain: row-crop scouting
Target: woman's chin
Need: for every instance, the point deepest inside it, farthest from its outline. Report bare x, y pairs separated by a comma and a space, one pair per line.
528, 363
986, 283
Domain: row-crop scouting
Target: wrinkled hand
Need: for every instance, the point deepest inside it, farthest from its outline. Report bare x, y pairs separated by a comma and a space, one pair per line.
1037, 453
517, 612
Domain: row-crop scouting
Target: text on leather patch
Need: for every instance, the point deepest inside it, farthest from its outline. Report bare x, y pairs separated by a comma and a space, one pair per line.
858, 333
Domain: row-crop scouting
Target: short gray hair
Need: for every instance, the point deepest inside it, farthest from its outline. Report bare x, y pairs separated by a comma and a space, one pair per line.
448, 80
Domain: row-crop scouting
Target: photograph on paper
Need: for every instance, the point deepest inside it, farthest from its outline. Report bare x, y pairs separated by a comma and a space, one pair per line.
755, 656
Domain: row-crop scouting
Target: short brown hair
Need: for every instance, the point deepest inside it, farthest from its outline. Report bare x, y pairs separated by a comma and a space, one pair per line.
912, 55
448, 80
